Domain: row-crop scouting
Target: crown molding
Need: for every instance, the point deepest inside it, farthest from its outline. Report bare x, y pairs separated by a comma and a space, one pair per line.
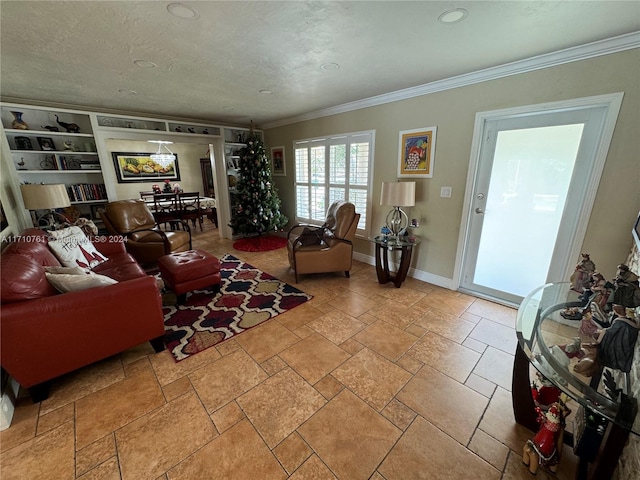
583, 52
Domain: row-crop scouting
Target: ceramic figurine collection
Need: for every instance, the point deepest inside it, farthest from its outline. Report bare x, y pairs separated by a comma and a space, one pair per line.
608, 317
609, 321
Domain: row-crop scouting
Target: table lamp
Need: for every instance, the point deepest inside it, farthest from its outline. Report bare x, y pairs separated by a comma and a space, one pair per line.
46, 197
398, 194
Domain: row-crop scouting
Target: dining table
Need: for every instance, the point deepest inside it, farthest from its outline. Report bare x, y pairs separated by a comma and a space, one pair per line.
205, 202
207, 206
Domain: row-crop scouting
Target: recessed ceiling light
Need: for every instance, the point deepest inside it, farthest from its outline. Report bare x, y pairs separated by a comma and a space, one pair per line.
453, 16
266, 92
329, 66
183, 11
144, 64
124, 91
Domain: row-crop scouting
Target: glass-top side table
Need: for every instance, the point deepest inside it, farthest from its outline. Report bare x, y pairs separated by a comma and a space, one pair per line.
542, 335
384, 245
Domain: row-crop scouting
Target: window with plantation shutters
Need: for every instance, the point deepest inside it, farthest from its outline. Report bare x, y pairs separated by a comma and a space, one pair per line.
333, 168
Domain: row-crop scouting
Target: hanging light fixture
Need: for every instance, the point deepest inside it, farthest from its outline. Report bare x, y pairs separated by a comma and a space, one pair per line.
161, 158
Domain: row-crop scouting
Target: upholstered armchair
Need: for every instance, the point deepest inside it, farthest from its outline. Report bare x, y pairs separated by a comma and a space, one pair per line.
145, 241
326, 249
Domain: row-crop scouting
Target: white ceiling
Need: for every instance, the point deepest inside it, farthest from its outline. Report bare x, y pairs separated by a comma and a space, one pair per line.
213, 68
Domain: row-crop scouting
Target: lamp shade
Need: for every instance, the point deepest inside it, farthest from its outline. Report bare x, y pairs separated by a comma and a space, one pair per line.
398, 194
42, 197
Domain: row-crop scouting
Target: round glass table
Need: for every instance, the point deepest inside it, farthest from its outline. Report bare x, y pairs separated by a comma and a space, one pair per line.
386, 244
605, 399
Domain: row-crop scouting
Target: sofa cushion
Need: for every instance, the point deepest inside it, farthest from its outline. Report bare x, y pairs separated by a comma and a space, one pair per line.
120, 271
72, 247
65, 282
33, 243
23, 278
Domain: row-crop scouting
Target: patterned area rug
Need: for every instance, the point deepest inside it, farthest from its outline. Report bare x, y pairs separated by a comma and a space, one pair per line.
247, 297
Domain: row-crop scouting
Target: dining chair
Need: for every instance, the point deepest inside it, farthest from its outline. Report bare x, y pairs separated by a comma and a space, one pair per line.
165, 209
189, 207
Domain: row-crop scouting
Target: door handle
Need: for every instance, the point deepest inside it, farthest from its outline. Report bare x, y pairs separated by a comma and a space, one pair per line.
480, 210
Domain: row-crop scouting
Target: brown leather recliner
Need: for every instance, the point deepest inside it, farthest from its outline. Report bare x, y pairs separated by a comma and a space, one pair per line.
145, 241
332, 250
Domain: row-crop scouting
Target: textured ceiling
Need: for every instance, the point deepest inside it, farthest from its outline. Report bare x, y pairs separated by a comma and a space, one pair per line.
212, 68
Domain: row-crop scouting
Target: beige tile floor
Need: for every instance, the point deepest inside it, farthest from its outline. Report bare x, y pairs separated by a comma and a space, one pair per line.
365, 381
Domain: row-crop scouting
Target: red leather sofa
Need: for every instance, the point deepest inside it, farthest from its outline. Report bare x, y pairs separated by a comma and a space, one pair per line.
44, 334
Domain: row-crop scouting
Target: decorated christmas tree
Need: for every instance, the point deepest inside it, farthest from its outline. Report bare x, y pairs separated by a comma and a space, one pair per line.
256, 210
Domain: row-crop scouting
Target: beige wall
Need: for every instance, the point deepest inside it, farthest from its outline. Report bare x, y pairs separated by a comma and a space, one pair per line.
188, 164
608, 238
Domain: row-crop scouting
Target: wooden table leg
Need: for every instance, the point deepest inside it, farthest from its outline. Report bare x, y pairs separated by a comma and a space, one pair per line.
405, 261
382, 264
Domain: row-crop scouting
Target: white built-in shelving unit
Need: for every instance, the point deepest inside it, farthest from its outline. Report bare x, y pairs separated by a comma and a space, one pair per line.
48, 152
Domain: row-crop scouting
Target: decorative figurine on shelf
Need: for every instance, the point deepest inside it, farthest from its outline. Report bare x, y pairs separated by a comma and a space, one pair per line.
626, 291
616, 343
546, 394
167, 186
545, 447
69, 146
598, 291
588, 327
51, 128
70, 127
21, 164
191, 130
156, 189
588, 364
205, 131
177, 188
581, 276
178, 128
385, 231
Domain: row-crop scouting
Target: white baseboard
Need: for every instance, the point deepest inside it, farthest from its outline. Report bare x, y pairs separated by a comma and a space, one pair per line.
438, 280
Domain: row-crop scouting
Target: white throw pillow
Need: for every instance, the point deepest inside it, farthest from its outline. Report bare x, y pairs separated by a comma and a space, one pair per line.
73, 249
65, 282
67, 270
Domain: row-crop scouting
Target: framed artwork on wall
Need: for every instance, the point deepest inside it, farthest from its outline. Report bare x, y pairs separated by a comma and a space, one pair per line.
417, 153
140, 167
278, 168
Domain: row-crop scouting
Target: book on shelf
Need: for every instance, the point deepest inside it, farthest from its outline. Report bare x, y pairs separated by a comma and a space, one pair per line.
83, 192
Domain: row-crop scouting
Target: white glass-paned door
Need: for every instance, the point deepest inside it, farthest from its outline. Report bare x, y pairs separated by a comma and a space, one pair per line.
530, 186
528, 189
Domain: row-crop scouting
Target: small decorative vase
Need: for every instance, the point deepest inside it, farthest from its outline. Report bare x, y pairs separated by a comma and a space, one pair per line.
18, 123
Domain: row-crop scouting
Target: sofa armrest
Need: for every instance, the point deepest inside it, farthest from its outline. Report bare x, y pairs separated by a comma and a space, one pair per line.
47, 337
